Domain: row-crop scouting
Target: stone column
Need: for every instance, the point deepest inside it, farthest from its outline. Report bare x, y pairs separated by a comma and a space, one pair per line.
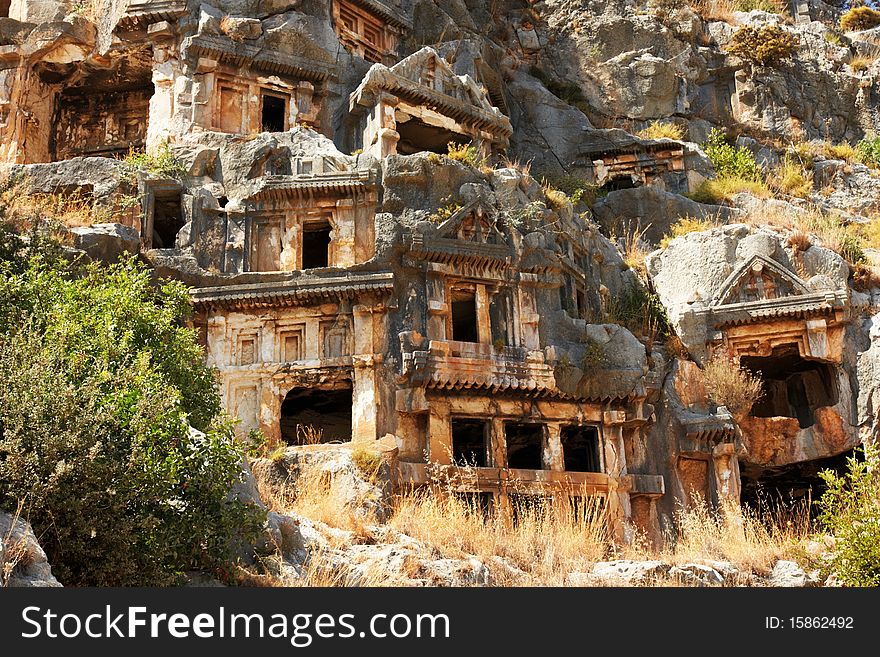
484, 323
439, 434
438, 309
619, 510
343, 237
552, 456
726, 470
365, 399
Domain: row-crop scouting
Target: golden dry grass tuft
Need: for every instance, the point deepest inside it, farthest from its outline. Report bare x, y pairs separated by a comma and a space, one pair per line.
556, 199
721, 189
687, 225
799, 241
663, 130
730, 385
791, 178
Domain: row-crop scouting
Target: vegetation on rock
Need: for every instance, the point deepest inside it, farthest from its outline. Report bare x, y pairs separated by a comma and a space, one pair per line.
731, 386
110, 428
859, 18
769, 45
850, 512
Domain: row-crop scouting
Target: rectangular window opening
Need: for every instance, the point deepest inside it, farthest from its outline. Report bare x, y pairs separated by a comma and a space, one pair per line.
580, 449
524, 445
464, 316
316, 245
470, 443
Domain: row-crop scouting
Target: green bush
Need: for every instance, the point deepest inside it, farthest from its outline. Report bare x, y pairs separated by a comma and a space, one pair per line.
639, 310
859, 18
766, 46
868, 150
850, 512
110, 426
730, 161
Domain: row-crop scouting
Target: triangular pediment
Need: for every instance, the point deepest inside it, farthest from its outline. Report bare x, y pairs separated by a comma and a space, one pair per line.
476, 222
759, 279
428, 69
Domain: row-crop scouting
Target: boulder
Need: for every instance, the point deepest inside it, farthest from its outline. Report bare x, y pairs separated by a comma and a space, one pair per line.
630, 572
106, 242
22, 561
653, 211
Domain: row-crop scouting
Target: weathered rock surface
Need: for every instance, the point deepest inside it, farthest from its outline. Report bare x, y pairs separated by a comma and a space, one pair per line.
22, 561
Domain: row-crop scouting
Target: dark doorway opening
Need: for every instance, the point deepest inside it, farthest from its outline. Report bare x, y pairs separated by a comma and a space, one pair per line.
766, 488
417, 136
274, 113
524, 445
312, 415
4, 8
524, 506
580, 449
167, 219
316, 245
623, 182
793, 387
464, 316
470, 443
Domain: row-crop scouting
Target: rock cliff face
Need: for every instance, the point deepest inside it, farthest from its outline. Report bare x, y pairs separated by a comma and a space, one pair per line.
424, 219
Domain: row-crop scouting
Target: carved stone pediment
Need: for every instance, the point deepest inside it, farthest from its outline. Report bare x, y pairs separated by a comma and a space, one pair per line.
759, 279
477, 223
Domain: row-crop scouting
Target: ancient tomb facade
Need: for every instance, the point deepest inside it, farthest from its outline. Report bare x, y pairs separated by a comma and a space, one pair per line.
419, 104
370, 28
791, 334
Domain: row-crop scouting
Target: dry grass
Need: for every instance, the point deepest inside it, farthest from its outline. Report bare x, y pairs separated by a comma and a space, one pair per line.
66, 209
865, 277
751, 540
714, 10
842, 151
663, 130
546, 542
15, 553
731, 386
307, 434
687, 225
791, 178
718, 190
634, 248
556, 199
799, 241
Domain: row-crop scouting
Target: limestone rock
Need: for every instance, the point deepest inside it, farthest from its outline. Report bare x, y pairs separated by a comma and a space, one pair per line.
696, 574
22, 555
789, 574
652, 210
106, 242
630, 572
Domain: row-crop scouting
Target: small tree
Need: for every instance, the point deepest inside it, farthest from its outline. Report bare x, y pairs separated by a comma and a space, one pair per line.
110, 427
850, 512
730, 385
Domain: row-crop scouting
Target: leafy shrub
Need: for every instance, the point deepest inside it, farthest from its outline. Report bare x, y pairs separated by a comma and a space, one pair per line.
110, 431
594, 355
766, 46
868, 150
161, 164
730, 161
577, 189
850, 511
729, 385
639, 310
663, 130
464, 153
859, 18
